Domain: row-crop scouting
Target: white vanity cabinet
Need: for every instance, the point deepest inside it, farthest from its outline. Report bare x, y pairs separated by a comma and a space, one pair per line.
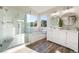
67, 38
72, 40
59, 36
56, 36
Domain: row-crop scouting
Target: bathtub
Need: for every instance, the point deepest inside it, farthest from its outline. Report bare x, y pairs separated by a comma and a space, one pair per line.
35, 36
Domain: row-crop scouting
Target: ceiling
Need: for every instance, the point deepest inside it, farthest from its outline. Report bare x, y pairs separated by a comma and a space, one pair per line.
40, 9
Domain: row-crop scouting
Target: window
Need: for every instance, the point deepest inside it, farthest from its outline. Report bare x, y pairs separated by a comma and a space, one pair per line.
32, 20
44, 21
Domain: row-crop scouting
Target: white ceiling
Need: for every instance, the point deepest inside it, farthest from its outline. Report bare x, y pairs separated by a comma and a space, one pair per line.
41, 9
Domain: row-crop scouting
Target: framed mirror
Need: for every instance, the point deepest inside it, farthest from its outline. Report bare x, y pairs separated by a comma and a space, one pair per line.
55, 21
69, 19
72, 19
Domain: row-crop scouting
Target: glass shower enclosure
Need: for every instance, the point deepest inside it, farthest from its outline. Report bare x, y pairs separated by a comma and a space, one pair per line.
13, 31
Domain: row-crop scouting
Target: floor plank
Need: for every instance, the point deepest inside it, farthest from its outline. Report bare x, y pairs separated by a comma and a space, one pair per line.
45, 46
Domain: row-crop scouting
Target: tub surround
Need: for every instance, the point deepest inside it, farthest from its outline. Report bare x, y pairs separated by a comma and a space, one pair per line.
35, 35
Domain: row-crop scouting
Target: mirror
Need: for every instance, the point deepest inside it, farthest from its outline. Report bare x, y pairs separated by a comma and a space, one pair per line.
72, 19
69, 18
55, 21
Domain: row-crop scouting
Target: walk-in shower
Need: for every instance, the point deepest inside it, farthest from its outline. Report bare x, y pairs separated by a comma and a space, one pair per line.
12, 25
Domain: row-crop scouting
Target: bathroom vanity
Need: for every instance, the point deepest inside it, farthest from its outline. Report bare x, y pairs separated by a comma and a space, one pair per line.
66, 32
67, 38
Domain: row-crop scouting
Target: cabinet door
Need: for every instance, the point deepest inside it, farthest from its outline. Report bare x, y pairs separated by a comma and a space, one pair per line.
72, 40
49, 34
59, 36
55, 36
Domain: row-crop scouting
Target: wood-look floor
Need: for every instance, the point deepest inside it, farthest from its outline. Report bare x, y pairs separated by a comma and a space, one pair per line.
45, 46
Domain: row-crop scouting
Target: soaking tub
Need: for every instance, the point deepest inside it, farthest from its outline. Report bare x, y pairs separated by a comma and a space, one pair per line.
35, 36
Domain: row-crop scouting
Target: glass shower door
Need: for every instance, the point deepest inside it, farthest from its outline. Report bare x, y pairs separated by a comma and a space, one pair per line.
7, 35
